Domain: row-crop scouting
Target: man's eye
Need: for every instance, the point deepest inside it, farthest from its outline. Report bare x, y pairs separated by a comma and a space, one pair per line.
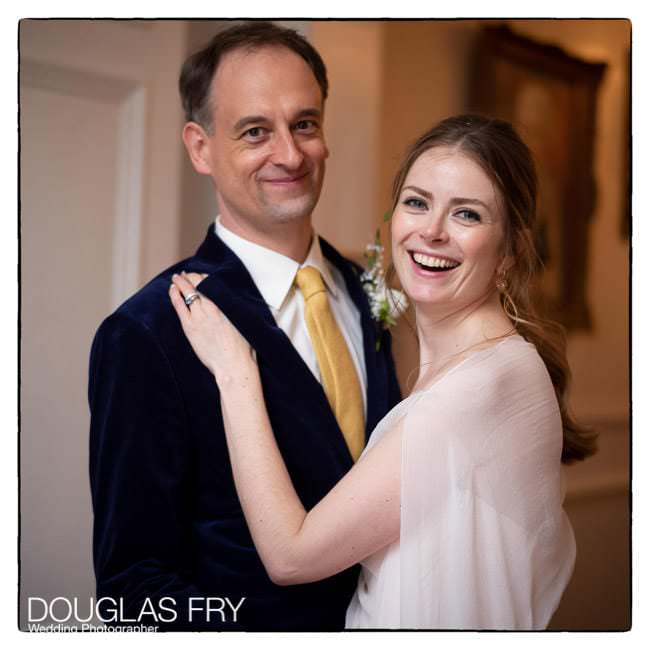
305, 125
254, 133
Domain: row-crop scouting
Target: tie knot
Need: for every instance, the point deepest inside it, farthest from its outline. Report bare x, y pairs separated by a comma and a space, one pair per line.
309, 282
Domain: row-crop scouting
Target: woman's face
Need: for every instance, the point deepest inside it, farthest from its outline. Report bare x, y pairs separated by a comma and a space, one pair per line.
447, 231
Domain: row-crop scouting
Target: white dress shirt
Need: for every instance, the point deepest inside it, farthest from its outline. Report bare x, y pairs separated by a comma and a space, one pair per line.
274, 275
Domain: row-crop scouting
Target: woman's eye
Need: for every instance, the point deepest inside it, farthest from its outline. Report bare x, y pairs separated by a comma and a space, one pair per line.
416, 203
468, 215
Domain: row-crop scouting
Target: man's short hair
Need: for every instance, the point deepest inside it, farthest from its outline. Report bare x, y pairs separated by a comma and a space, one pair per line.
199, 69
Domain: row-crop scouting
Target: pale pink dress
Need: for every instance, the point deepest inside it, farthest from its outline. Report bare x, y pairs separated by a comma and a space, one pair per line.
484, 540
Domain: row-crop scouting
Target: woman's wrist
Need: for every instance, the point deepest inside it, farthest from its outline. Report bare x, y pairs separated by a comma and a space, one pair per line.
244, 378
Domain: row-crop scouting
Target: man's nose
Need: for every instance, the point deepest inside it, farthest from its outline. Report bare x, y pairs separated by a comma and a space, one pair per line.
286, 152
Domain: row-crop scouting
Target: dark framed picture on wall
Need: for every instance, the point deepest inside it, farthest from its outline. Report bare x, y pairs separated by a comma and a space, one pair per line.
550, 97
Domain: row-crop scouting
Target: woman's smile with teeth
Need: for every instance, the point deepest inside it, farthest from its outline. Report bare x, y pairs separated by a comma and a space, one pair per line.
434, 263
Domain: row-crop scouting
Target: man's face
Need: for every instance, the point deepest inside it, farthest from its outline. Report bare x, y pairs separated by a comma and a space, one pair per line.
267, 151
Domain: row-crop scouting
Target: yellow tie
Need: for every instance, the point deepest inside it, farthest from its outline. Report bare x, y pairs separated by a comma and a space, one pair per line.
340, 379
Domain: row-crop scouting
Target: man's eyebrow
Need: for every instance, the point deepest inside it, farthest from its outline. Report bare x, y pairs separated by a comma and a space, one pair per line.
249, 119
309, 112
261, 119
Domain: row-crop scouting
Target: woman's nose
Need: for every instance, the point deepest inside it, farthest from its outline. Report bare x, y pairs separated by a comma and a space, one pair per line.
435, 229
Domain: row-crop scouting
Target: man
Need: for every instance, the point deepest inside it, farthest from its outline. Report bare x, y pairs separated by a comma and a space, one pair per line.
170, 537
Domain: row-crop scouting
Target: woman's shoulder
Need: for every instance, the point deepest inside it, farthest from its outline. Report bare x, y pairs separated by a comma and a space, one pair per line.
521, 438
494, 424
491, 385
511, 365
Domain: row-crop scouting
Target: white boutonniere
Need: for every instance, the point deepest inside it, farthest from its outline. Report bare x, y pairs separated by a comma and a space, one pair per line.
386, 304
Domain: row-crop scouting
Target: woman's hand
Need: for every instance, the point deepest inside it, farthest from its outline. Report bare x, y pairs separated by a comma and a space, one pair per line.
217, 343
359, 516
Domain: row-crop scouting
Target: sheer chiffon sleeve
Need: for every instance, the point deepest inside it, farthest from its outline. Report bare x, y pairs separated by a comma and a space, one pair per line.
484, 541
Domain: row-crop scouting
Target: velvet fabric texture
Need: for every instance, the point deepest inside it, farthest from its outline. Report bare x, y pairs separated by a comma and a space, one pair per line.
167, 520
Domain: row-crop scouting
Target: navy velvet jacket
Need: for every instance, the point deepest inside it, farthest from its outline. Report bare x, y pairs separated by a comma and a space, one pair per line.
167, 520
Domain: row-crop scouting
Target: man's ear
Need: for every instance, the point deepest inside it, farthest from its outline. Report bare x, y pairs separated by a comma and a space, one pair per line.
196, 143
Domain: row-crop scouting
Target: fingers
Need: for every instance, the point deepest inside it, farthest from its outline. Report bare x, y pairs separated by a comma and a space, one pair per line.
178, 292
179, 305
195, 278
183, 284
214, 339
200, 309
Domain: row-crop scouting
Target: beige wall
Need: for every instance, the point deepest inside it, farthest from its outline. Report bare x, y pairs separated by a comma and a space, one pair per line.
349, 209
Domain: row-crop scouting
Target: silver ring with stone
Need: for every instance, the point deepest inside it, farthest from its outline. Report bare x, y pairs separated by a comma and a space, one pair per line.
191, 297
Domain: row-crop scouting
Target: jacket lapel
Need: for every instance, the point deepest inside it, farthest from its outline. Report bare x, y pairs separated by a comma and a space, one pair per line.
289, 384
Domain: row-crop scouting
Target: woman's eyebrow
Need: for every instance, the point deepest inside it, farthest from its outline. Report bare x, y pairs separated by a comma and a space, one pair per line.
459, 199
419, 190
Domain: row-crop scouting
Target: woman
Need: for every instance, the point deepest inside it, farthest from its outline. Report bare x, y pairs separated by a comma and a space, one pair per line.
455, 507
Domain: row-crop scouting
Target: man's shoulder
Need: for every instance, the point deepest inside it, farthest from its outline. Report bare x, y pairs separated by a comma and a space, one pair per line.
149, 310
151, 302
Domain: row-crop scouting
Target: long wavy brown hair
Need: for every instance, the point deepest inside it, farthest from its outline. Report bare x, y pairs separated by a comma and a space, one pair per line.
497, 148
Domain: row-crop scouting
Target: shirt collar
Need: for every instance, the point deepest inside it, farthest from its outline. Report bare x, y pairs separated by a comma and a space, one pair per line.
316, 259
272, 272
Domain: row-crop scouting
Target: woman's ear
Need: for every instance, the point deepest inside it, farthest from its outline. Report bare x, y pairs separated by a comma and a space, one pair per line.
196, 142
